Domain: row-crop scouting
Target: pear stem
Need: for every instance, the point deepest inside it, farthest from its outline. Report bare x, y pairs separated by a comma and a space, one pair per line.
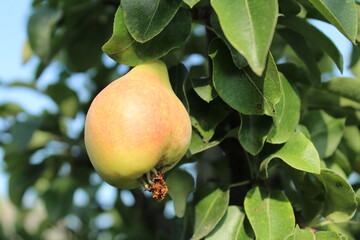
143, 183
148, 178
155, 184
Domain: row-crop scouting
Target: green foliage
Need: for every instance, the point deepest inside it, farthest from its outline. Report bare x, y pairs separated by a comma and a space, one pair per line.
267, 210
249, 27
124, 49
275, 149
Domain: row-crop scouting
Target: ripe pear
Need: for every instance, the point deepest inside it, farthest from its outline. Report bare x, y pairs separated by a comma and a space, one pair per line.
136, 129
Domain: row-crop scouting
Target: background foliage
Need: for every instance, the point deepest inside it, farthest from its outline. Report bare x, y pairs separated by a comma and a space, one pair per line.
275, 136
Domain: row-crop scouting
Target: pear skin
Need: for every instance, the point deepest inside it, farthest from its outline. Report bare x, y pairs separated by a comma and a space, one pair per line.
136, 128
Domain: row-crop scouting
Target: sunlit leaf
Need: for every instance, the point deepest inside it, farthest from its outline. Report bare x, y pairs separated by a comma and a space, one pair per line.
191, 3
298, 152
210, 207
315, 36
231, 225
9, 109
287, 114
344, 87
26, 52
249, 26
340, 202
326, 131
327, 235
238, 59
341, 13
302, 234
302, 49
270, 213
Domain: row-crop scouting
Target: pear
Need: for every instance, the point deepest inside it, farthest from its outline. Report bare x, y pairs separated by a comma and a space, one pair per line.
137, 129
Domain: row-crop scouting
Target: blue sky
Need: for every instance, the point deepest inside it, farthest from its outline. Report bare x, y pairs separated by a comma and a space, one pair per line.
13, 19
13, 16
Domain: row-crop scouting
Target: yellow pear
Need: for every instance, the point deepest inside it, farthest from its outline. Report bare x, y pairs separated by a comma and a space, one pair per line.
136, 129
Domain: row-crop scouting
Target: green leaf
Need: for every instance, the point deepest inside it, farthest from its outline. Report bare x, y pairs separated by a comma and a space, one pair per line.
231, 225
206, 117
344, 87
180, 184
249, 26
39, 139
340, 202
340, 160
298, 152
241, 89
326, 131
253, 132
178, 77
78, 57
22, 133
61, 191
315, 36
22, 176
146, 19
65, 97
302, 49
211, 205
287, 114
350, 146
327, 235
358, 22
9, 109
204, 88
191, 3
334, 105
125, 50
304, 130
340, 13
289, 7
238, 59
301, 234
357, 195
40, 29
343, 237
26, 52
197, 144
270, 213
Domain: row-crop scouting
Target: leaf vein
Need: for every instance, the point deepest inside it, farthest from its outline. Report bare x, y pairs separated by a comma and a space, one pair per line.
152, 18
251, 26
257, 89
209, 209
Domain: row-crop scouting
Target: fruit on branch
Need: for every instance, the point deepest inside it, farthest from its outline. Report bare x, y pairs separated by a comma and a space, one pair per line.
136, 129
